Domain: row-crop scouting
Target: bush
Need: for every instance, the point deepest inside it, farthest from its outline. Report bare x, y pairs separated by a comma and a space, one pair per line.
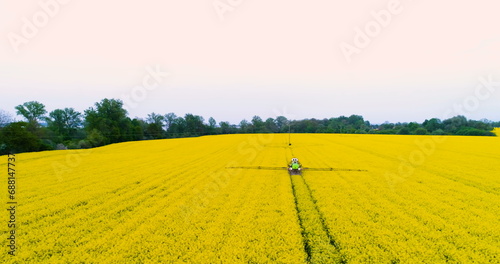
47, 144
474, 132
96, 139
386, 131
16, 139
421, 131
84, 144
404, 131
72, 145
439, 132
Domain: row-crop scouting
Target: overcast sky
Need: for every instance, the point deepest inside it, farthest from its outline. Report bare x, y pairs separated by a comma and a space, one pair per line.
386, 60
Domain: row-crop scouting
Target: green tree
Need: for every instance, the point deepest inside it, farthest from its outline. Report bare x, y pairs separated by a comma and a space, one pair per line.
470, 131
480, 125
270, 126
16, 138
96, 138
194, 125
154, 129
138, 126
154, 118
225, 127
64, 122
282, 123
432, 125
32, 111
258, 126
169, 120
245, 126
110, 119
438, 132
212, 126
404, 131
311, 126
454, 124
212, 123
413, 126
421, 131
177, 128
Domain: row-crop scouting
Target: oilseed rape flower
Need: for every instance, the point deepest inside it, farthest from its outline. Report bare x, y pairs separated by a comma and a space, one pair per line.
387, 198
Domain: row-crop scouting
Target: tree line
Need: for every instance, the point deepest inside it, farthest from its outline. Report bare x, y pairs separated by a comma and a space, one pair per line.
107, 122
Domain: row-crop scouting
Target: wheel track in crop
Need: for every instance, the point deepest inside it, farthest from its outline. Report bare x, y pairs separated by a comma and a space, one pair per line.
418, 214
319, 244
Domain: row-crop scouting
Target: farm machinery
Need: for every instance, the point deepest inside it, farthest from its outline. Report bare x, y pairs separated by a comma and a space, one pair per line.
294, 168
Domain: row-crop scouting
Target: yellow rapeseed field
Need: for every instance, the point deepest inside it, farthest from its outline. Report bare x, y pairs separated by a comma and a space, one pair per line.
422, 199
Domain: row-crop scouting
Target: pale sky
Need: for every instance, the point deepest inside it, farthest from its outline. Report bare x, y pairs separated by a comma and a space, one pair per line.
386, 60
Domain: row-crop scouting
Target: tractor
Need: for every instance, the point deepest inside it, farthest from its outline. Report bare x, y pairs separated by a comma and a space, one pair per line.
295, 168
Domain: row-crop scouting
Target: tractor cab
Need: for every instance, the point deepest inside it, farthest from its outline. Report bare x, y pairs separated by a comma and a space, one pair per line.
295, 167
